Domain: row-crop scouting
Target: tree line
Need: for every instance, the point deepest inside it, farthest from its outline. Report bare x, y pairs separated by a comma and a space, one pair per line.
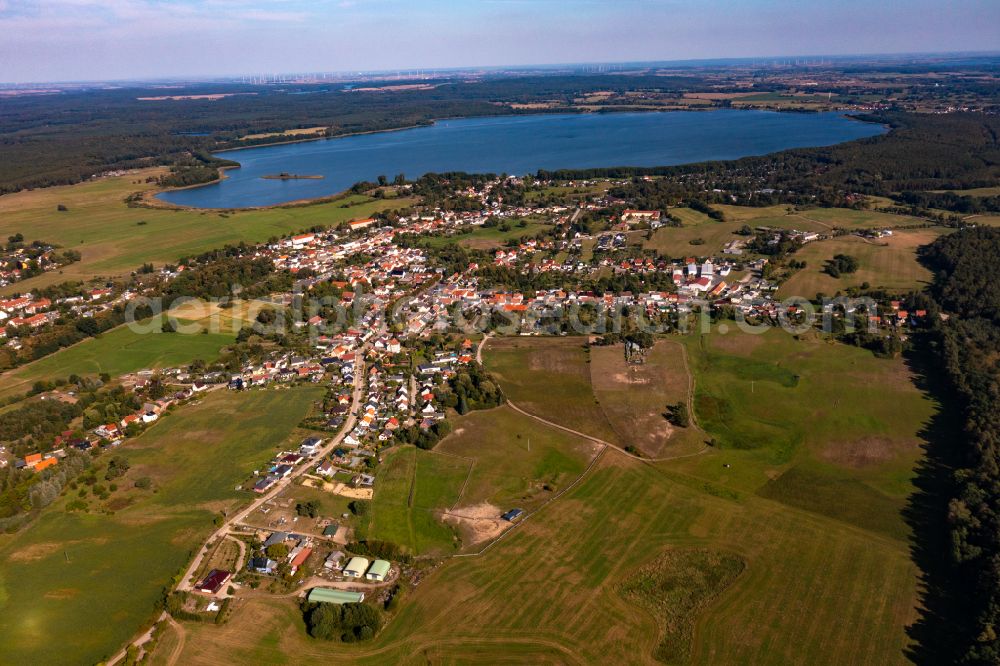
965, 289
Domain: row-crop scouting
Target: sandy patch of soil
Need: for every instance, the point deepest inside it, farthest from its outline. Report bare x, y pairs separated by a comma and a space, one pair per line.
354, 493
478, 523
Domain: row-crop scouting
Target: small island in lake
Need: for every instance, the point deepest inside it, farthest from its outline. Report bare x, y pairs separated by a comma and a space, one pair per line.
290, 176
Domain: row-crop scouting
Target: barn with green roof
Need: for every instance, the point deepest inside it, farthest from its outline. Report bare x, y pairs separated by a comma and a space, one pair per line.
325, 595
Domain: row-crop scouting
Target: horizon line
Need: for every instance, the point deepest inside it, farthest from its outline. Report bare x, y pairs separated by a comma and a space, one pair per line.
400, 72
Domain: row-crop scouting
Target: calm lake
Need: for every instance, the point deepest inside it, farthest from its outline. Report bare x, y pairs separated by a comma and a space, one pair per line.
516, 145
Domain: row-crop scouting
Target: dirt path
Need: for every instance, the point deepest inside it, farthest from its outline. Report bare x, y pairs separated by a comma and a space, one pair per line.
240, 560
240, 516
175, 654
479, 349
690, 387
599, 441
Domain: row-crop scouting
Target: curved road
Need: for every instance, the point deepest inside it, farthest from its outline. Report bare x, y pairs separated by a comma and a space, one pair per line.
240, 516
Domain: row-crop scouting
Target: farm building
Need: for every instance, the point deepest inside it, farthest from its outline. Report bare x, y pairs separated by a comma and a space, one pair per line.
300, 557
276, 537
378, 571
333, 560
512, 515
214, 581
328, 596
356, 567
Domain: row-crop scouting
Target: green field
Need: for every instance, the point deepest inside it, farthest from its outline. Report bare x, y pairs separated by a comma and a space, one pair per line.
409, 485
976, 192
814, 591
493, 461
797, 509
550, 377
117, 352
811, 423
848, 218
889, 263
514, 458
108, 234
710, 236
74, 587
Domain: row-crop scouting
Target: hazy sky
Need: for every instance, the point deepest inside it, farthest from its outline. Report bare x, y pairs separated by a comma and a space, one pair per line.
46, 40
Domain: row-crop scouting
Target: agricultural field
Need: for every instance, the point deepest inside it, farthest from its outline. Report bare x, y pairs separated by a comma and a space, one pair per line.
848, 218
495, 460
889, 263
76, 585
845, 595
550, 377
810, 423
975, 192
986, 220
709, 237
788, 526
115, 239
409, 485
634, 398
116, 352
512, 461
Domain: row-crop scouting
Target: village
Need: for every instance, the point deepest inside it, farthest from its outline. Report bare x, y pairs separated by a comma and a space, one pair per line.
382, 324
397, 281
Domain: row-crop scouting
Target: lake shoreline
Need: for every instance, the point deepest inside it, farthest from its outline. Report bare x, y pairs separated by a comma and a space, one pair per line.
155, 199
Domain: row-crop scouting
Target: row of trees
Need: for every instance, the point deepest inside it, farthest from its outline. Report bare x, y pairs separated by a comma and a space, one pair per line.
969, 342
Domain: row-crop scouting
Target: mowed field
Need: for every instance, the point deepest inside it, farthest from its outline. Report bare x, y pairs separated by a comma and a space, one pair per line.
635, 398
702, 236
710, 236
813, 591
488, 238
410, 484
74, 586
810, 423
109, 236
118, 351
828, 427
889, 263
550, 377
449, 499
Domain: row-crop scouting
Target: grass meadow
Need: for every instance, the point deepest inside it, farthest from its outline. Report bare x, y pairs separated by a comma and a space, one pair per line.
550, 377
515, 461
488, 238
810, 423
814, 591
75, 586
701, 236
889, 263
116, 352
410, 484
634, 398
796, 512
